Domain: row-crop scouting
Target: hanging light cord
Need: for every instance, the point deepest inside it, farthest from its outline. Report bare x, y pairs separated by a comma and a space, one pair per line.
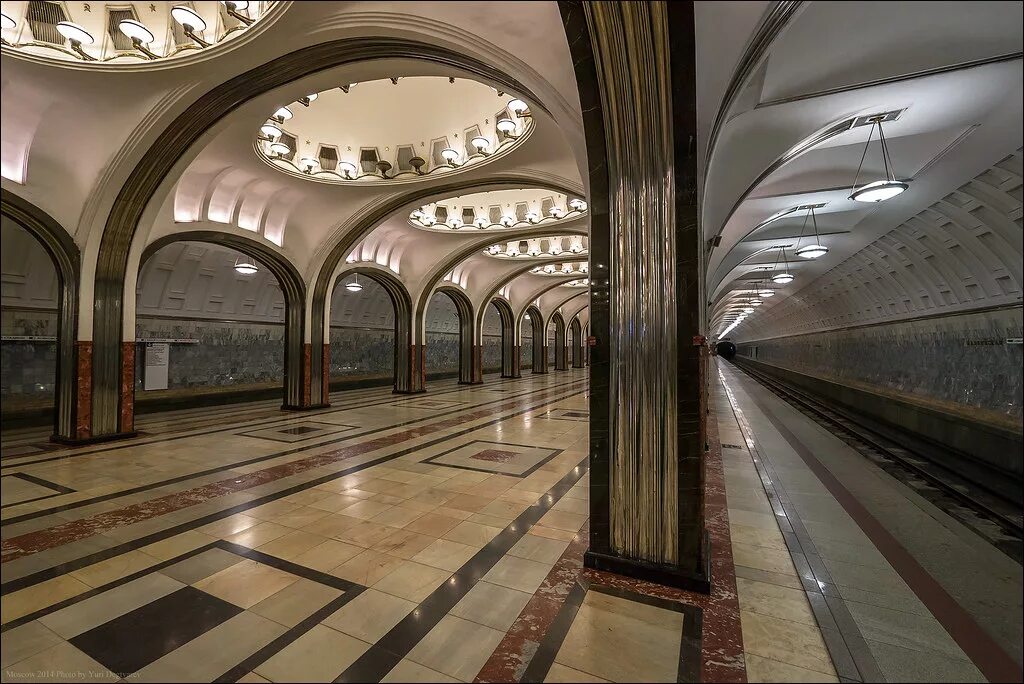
865, 154
886, 160
803, 227
814, 221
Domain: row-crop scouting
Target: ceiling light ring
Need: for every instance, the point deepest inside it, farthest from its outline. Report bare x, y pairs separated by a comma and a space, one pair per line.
877, 191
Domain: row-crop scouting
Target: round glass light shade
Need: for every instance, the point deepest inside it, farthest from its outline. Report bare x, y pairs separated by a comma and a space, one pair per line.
454, 222
512, 249
782, 278
271, 131
812, 251
517, 106
246, 267
74, 33
354, 286
237, 5
532, 216
7, 21
508, 221
748, 310
480, 143
311, 96
567, 268
427, 219
481, 222
415, 214
348, 168
137, 31
766, 293
755, 302
550, 268
283, 114
584, 268
505, 125
578, 204
449, 154
309, 163
279, 148
879, 191
186, 16
557, 212
494, 249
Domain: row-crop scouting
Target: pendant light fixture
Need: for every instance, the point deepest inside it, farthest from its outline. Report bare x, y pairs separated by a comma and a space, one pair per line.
881, 190
246, 265
783, 277
815, 250
354, 285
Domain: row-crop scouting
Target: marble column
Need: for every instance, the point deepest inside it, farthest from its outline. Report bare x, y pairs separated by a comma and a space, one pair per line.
635, 72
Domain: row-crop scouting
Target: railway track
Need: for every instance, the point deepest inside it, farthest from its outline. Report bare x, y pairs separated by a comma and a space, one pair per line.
986, 500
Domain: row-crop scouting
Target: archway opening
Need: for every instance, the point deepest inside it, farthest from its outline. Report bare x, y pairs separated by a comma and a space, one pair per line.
362, 333
526, 343
30, 310
210, 327
492, 339
443, 338
551, 344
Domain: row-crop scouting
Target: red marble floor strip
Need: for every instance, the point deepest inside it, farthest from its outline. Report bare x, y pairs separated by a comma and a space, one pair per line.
75, 530
722, 638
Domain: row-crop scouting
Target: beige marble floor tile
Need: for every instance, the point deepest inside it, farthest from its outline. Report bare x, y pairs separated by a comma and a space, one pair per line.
762, 558
561, 520
432, 524
292, 545
331, 525
307, 497
365, 510
365, 534
122, 565
761, 669
771, 599
490, 520
60, 663
226, 527
247, 583
24, 641
560, 673
518, 573
258, 535
328, 555
456, 647
398, 516
172, 547
783, 580
273, 509
785, 641
296, 602
469, 502
455, 513
252, 677
472, 534
412, 581
446, 554
370, 615
540, 549
552, 533
332, 503
404, 544
367, 568
623, 640
39, 596
757, 536
491, 605
300, 517
408, 671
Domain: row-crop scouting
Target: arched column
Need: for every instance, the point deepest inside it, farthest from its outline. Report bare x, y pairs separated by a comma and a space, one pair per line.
297, 362
540, 339
560, 330
576, 330
509, 347
471, 362
635, 74
109, 370
71, 422
408, 364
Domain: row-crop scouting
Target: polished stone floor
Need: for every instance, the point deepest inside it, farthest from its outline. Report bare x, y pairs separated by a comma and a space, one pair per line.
439, 537
435, 537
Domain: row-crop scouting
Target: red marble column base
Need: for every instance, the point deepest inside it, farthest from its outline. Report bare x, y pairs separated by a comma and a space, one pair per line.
127, 423
83, 400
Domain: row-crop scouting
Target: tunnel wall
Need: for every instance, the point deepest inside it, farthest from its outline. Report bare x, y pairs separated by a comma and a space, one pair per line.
959, 363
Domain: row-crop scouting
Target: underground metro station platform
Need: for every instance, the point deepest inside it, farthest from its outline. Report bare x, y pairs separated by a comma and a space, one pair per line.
512, 342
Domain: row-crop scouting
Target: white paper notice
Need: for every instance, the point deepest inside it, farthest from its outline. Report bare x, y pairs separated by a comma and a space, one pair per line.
157, 357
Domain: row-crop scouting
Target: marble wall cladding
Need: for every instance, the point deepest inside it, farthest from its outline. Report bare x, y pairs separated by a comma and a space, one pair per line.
442, 354
362, 352
492, 353
228, 353
962, 359
28, 368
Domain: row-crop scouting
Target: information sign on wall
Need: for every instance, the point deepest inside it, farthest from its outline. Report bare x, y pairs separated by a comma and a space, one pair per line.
157, 358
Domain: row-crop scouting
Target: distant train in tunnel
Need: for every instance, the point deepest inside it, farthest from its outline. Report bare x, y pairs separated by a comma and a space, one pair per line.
726, 349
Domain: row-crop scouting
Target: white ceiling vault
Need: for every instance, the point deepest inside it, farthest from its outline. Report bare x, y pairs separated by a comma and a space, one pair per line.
949, 77
74, 130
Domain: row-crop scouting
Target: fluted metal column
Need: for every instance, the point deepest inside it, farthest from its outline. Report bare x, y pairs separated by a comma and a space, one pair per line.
642, 273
